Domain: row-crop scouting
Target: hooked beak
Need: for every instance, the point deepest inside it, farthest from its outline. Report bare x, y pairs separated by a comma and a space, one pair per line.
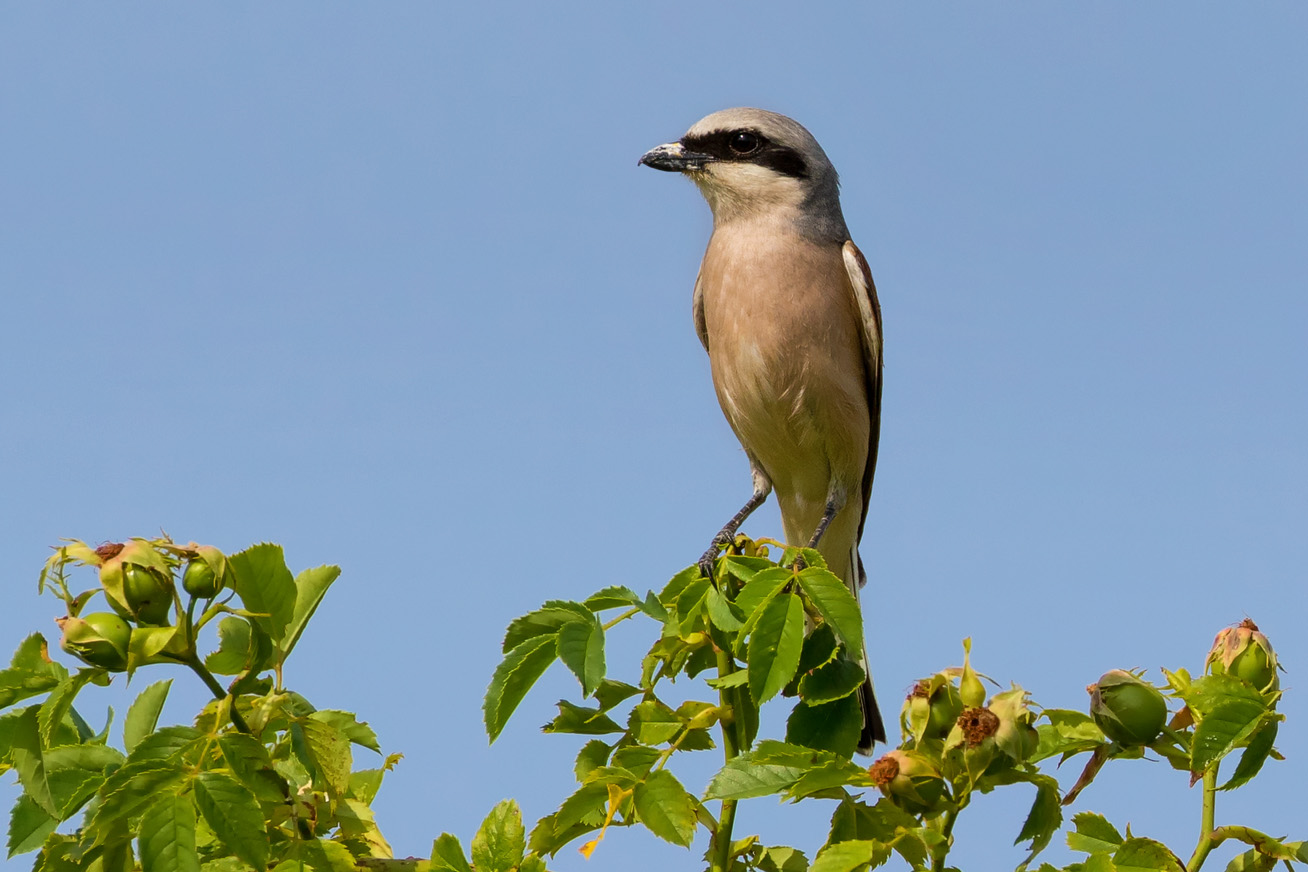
674, 158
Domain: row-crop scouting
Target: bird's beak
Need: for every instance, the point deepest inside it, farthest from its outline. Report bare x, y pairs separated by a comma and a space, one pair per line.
674, 158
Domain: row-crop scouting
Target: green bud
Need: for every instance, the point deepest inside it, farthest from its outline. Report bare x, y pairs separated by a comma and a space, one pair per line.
937, 702
200, 580
1244, 652
99, 639
137, 593
1129, 711
909, 779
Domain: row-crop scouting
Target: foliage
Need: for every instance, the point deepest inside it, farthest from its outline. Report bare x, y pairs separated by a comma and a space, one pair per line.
263, 780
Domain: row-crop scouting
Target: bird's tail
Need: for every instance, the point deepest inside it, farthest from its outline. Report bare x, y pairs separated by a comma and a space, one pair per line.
874, 729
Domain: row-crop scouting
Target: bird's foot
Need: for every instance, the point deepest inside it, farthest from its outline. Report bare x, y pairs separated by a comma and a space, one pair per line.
708, 560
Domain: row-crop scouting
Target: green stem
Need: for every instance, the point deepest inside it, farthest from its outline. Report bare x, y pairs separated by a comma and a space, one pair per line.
941, 851
622, 617
218, 693
1206, 840
720, 851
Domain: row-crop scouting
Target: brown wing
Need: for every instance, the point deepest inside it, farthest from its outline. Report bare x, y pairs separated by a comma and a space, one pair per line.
701, 329
865, 295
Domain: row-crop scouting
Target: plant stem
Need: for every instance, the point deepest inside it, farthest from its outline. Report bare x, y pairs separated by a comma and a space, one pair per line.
941, 851
1206, 842
217, 690
622, 617
720, 852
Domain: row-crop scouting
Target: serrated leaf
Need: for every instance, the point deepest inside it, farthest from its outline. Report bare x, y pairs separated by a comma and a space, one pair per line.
823, 779
1093, 834
310, 587
351, 727
1222, 729
844, 856
143, 715
234, 815
266, 587
833, 600
832, 681
57, 705
581, 721
581, 648
665, 808
1146, 855
30, 672
653, 723
323, 855
1045, 817
732, 679
780, 858
610, 693
592, 755
774, 646
233, 647
612, 598
545, 621
128, 791
833, 726
447, 855
29, 825
760, 590
325, 748
28, 758
501, 840
1254, 756
167, 837
358, 824
743, 778
1251, 861
515, 675
165, 744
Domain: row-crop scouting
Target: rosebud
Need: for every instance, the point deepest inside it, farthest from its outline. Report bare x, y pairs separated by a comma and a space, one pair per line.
1244, 652
200, 580
99, 639
909, 779
1129, 711
138, 593
939, 706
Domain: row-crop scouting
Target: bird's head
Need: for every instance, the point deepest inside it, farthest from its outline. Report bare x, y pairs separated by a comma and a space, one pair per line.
754, 163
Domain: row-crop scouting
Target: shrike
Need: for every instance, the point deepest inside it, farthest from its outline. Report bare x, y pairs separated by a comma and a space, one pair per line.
786, 309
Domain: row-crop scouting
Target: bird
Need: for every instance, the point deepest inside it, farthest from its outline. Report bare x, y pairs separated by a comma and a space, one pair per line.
785, 306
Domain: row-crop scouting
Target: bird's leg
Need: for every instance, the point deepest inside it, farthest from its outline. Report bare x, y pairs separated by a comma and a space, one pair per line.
727, 535
835, 502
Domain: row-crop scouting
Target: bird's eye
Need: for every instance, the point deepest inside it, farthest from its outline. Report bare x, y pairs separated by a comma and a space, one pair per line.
744, 142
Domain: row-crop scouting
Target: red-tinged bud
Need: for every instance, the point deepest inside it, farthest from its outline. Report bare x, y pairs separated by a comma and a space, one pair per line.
99, 639
1244, 652
909, 779
1129, 711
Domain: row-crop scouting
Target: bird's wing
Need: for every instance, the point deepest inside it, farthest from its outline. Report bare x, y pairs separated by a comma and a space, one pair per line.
700, 329
865, 296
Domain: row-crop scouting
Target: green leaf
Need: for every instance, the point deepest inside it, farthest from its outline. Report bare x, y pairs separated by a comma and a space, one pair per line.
610, 693
612, 598
28, 757
144, 714
586, 806
358, 826
234, 815
545, 621
166, 744
29, 825
832, 681
1068, 732
838, 607
653, 723
310, 587
30, 673
665, 808
581, 721
515, 675
1093, 834
127, 792
168, 836
323, 855
501, 841
1254, 756
732, 679
145, 643
1251, 861
834, 726
57, 704
1139, 855
774, 646
350, 726
581, 648
722, 613
592, 755
760, 590
1228, 724
823, 780
266, 587
844, 856
1205, 694
636, 759
447, 855
1045, 817
743, 778
323, 747
233, 647
781, 858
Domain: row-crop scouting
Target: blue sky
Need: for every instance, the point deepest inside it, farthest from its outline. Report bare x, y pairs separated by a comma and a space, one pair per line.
385, 284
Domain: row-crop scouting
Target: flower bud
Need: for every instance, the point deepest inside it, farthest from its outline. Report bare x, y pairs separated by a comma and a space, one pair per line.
909, 779
138, 593
1129, 711
99, 639
1244, 652
940, 706
200, 580
977, 724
